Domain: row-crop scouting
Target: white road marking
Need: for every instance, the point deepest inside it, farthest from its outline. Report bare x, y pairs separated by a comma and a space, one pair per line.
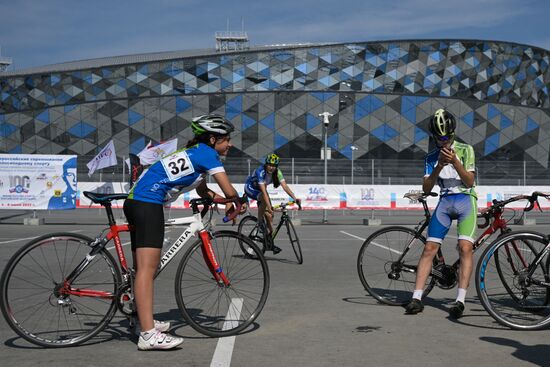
224, 349
32, 238
373, 243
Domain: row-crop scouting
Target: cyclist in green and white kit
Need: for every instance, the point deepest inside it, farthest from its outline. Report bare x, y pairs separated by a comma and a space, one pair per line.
452, 166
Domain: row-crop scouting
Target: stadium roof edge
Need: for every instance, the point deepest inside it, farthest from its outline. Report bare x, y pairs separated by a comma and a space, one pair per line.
169, 55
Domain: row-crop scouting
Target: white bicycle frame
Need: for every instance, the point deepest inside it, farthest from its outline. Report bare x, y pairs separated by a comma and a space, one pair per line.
195, 225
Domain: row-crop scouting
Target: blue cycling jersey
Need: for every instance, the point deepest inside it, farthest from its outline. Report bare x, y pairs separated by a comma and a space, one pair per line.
176, 173
260, 176
449, 180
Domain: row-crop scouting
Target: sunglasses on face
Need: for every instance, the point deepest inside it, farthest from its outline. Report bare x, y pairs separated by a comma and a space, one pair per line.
444, 138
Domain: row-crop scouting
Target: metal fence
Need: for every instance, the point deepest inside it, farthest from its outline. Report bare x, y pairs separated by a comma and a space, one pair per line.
364, 172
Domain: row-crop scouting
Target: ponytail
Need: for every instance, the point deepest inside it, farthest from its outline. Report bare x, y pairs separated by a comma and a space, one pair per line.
203, 138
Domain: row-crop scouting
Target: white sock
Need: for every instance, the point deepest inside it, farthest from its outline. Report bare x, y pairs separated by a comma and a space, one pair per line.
417, 294
461, 295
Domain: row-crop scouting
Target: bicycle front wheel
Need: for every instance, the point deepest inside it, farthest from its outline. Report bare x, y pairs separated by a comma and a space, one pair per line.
505, 289
294, 241
387, 264
35, 303
248, 227
211, 307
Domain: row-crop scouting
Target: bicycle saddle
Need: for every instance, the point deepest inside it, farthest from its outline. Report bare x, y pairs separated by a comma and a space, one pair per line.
103, 198
418, 195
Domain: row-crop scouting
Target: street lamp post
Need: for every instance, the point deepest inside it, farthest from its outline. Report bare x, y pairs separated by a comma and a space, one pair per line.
325, 115
353, 148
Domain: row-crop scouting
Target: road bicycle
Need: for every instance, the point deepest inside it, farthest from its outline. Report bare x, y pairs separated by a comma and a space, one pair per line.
388, 259
249, 227
64, 288
516, 291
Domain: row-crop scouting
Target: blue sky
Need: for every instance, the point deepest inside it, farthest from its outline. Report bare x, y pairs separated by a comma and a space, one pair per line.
42, 32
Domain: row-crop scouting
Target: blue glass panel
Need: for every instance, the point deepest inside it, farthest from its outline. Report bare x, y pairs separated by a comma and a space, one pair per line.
225, 84
247, 122
182, 105
137, 146
332, 141
81, 129
44, 117
384, 132
469, 119
282, 56
7, 129
238, 75
201, 69
269, 121
54, 79
531, 125
419, 135
505, 122
312, 121
346, 151
323, 96
492, 111
302, 68
69, 107
491, 143
280, 140
17, 150
144, 70
234, 107
408, 108
134, 117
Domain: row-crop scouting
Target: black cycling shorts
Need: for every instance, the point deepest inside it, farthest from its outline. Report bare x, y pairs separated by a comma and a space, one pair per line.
148, 221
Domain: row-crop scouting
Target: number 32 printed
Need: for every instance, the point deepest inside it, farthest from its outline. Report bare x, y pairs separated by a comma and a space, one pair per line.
177, 165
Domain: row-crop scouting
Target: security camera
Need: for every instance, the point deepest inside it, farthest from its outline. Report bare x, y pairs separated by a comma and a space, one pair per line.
325, 116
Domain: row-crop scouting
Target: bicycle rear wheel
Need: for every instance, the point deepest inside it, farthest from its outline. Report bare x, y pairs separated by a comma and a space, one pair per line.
33, 301
384, 274
294, 241
248, 227
504, 288
210, 307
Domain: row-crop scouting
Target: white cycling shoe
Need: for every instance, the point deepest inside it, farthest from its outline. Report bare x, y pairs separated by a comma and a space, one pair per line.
162, 326
158, 341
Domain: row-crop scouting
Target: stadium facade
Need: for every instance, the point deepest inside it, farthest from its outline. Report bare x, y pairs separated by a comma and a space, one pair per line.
380, 93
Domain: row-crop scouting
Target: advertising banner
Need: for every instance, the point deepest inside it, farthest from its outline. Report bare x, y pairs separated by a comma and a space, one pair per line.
38, 181
354, 197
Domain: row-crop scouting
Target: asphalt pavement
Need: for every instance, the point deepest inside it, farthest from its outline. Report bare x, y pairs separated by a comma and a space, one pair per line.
317, 313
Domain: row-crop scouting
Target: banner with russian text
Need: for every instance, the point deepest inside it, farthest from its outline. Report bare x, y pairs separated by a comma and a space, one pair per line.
38, 181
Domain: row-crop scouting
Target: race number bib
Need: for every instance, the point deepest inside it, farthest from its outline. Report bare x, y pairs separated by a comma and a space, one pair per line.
177, 165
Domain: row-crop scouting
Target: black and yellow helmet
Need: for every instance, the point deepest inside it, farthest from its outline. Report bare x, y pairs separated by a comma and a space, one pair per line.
213, 124
443, 123
272, 159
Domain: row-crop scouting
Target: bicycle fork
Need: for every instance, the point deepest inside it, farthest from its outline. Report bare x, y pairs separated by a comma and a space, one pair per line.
210, 259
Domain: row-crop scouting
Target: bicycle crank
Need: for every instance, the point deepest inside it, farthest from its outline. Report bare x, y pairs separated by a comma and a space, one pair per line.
446, 276
125, 301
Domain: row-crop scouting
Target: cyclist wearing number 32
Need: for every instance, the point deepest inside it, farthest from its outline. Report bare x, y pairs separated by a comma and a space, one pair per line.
172, 175
452, 166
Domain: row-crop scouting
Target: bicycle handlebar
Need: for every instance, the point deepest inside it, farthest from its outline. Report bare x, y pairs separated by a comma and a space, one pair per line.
208, 202
284, 205
498, 205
